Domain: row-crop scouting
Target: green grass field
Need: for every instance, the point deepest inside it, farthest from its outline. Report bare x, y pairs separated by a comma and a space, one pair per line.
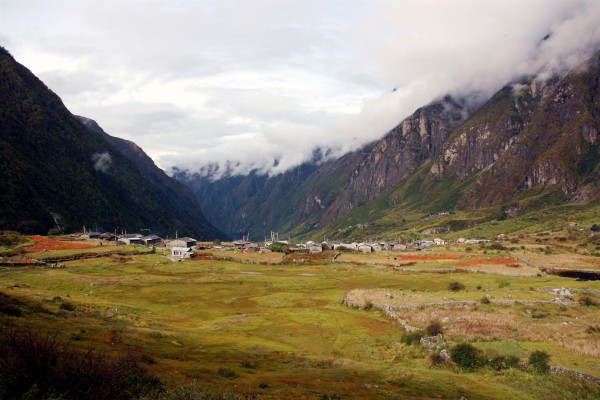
281, 331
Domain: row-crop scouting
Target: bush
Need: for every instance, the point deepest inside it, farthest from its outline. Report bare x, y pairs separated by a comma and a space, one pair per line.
11, 239
35, 365
281, 248
434, 328
227, 373
413, 337
9, 306
593, 329
436, 359
54, 232
539, 314
485, 300
67, 306
456, 286
466, 356
504, 362
9, 309
539, 361
587, 301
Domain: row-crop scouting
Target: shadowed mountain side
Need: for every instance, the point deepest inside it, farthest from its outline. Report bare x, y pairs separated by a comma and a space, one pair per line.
56, 173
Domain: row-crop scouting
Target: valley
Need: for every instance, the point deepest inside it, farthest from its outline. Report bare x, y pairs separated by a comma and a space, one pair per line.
248, 325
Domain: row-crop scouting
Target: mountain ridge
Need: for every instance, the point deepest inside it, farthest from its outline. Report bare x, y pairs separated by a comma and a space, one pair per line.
531, 133
57, 173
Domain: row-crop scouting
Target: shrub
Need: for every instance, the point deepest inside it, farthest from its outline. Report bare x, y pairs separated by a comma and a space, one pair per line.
227, 373
485, 300
497, 246
587, 301
54, 232
9, 306
539, 361
504, 362
248, 364
281, 248
413, 337
9, 309
67, 306
436, 359
593, 329
466, 356
434, 328
455, 286
539, 314
41, 366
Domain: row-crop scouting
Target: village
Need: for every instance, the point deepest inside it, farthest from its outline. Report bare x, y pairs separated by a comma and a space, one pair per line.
184, 247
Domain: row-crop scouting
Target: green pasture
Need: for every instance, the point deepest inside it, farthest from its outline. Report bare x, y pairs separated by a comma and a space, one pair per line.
279, 331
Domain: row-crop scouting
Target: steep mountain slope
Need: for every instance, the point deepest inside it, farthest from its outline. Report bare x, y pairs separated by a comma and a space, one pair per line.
55, 172
315, 195
532, 139
533, 145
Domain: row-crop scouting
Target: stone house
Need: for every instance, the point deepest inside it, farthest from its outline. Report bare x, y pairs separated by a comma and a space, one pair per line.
182, 242
181, 252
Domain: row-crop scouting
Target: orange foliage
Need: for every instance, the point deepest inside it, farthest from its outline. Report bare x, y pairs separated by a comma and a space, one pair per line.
477, 261
430, 257
46, 243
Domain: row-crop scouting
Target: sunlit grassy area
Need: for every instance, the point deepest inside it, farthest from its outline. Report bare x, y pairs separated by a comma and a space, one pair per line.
281, 330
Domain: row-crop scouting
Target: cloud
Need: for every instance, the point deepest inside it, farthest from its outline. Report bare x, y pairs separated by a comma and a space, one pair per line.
259, 85
102, 161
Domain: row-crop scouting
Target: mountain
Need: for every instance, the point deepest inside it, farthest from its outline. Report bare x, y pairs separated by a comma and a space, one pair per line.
57, 173
316, 195
533, 144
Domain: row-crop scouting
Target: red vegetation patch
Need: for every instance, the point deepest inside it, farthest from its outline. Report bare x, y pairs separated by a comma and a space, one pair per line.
204, 255
591, 260
476, 261
430, 258
29, 261
46, 243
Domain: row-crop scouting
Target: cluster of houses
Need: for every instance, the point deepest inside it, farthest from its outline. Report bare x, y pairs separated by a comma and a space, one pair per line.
182, 248
314, 247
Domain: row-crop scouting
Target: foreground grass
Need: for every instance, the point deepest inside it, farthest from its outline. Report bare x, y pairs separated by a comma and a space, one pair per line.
280, 331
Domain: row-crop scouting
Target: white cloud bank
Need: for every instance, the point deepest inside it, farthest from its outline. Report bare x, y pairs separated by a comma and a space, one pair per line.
244, 83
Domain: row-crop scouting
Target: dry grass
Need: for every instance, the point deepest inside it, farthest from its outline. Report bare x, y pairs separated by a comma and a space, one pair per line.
396, 258
585, 346
249, 256
560, 260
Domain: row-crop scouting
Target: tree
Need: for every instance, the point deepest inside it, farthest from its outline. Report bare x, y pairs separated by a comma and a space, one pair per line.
434, 328
456, 286
466, 356
539, 361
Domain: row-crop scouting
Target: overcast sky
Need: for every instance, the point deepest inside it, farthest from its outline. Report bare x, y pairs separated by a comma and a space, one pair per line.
249, 82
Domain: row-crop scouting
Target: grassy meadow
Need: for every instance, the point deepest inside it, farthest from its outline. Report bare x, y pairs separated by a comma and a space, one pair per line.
258, 328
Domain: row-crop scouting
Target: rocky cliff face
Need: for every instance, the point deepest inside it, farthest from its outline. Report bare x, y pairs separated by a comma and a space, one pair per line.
532, 133
319, 194
383, 164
